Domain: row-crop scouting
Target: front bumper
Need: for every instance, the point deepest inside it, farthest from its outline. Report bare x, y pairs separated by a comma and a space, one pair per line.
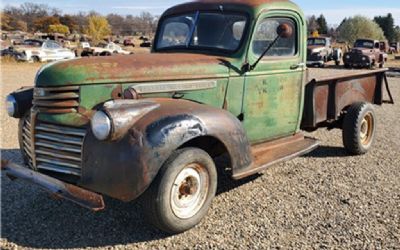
56, 187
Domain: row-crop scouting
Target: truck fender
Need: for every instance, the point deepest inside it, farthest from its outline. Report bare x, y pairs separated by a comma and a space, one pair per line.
136, 159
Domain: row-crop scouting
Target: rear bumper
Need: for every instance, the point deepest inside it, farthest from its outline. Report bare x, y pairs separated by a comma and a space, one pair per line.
56, 187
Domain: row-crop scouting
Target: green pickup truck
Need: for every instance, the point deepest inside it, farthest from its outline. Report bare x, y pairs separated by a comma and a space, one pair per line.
225, 77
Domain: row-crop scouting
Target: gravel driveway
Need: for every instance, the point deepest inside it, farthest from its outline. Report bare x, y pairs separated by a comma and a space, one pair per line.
325, 199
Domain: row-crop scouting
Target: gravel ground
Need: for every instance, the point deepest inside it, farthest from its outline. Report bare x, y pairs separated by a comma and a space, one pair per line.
325, 199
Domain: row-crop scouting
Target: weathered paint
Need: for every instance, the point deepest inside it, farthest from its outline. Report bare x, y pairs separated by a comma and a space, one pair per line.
243, 108
136, 158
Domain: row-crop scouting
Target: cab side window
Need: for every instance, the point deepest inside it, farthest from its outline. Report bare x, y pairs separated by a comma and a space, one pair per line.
266, 33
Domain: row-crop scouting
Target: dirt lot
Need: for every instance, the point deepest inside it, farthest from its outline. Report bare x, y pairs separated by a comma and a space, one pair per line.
325, 199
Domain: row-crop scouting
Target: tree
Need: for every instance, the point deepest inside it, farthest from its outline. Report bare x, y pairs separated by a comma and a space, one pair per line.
5, 21
97, 28
312, 24
323, 25
117, 22
387, 25
396, 34
70, 22
58, 28
360, 27
42, 24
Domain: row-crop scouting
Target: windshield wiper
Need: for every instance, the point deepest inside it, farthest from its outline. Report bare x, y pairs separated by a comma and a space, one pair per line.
196, 19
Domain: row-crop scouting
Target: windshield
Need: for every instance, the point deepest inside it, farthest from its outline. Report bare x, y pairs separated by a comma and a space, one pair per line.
364, 44
201, 30
35, 43
316, 41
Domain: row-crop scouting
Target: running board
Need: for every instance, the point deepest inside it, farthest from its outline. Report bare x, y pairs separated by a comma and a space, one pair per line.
269, 153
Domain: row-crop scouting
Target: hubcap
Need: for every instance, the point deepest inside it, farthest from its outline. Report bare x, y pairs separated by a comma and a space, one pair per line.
366, 129
189, 191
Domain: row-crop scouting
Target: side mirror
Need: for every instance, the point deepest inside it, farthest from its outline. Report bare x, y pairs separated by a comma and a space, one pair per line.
284, 30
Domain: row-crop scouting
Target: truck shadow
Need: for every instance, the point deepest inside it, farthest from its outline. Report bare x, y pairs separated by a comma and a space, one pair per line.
328, 151
32, 219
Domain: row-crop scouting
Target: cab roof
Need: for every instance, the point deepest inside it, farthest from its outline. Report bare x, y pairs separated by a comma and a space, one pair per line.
250, 6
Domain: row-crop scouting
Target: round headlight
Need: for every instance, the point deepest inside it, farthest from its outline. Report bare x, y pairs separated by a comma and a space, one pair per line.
347, 57
101, 125
11, 105
364, 58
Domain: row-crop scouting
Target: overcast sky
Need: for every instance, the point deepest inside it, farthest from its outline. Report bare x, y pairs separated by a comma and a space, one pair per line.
334, 11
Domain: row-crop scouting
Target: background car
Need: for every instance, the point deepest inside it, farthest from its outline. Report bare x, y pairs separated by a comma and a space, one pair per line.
33, 50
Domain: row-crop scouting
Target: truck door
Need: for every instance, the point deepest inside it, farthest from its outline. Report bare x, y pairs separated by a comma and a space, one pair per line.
273, 91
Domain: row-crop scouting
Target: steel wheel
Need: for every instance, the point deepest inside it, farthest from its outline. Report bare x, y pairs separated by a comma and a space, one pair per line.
180, 196
189, 191
366, 129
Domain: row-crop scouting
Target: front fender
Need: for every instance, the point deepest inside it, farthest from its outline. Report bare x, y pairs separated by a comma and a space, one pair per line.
124, 169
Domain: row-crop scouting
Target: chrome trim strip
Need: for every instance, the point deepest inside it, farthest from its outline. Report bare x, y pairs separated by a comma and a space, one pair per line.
160, 87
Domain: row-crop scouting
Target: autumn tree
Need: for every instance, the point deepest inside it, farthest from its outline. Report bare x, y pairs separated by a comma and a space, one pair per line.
58, 28
97, 28
42, 24
70, 22
360, 27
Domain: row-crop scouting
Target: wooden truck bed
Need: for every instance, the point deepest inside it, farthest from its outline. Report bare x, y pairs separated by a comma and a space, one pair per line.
330, 91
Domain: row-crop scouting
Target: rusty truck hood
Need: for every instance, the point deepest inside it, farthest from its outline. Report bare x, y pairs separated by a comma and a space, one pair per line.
132, 68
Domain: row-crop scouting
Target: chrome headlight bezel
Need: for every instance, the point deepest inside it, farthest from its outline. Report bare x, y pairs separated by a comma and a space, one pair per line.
11, 105
101, 125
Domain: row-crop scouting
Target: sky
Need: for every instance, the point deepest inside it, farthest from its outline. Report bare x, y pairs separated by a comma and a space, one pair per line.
334, 11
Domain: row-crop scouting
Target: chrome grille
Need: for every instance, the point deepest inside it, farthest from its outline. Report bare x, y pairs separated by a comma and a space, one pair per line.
57, 148
56, 100
27, 140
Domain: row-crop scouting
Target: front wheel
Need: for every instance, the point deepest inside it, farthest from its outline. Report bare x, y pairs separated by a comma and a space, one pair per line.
359, 128
182, 192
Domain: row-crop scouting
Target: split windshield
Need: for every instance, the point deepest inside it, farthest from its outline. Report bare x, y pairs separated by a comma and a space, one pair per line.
364, 44
316, 41
202, 30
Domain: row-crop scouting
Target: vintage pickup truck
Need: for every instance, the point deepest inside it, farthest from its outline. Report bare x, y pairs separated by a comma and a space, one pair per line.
225, 77
320, 51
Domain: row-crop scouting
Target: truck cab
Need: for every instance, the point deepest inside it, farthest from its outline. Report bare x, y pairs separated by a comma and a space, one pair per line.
366, 53
151, 125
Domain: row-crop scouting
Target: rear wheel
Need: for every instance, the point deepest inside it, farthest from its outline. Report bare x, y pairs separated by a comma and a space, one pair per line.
359, 128
182, 192
35, 59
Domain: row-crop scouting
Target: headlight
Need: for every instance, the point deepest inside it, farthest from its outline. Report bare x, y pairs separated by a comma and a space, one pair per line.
364, 59
11, 105
101, 125
347, 56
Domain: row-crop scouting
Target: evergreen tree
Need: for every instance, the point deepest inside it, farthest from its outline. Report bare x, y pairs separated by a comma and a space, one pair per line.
387, 25
323, 25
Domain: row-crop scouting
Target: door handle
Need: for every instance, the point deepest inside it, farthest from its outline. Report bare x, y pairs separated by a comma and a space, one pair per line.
296, 66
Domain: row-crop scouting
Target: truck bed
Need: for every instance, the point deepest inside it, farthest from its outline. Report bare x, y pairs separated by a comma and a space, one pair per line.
324, 74
330, 91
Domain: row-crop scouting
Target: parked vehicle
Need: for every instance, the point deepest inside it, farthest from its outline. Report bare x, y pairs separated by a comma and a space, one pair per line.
129, 42
384, 46
83, 49
145, 44
395, 47
106, 49
151, 124
320, 51
366, 53
33, 50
